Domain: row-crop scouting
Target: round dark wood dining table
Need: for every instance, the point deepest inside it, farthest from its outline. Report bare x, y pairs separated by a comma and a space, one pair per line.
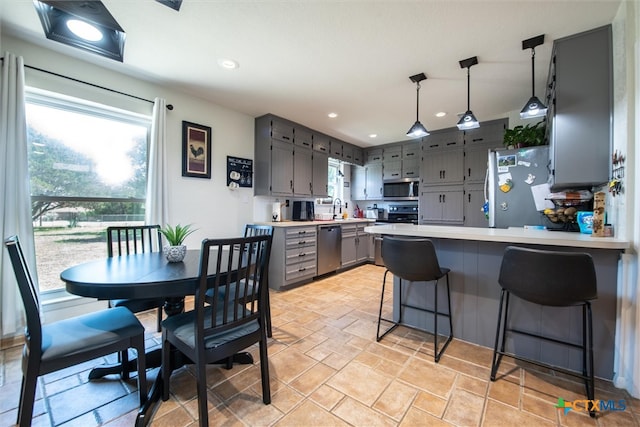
145, 275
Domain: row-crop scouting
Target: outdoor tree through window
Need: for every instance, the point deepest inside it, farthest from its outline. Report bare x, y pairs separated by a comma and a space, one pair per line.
88, 170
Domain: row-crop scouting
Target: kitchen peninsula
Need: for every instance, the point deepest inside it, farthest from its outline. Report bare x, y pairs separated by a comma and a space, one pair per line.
474, 256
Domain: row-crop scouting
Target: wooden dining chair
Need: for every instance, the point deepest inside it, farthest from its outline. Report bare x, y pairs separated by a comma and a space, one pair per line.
255, 230
232, 321
127, 240
58, 345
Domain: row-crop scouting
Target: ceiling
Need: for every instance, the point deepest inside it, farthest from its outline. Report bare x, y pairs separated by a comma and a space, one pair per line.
304, 59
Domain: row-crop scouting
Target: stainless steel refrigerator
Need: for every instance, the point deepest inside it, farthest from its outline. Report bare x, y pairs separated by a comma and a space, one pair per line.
516, 180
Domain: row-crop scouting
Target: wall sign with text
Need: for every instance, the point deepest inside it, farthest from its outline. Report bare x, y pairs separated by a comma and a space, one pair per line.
239, 172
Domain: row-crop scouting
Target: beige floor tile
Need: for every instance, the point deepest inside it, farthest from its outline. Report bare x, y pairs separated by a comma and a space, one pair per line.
474, 385
542, 408
286, 399
310, 414
357, 414
464, 409
312, 379
430, 403
252, 410
327, 397
429, 377
288, 364
415, 417
499, 414
359, 382
395, 400
505, 392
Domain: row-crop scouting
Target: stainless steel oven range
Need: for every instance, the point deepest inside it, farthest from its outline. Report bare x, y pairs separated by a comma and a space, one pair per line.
403, 214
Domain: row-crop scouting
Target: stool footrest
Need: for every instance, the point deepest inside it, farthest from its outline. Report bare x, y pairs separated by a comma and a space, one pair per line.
542, 337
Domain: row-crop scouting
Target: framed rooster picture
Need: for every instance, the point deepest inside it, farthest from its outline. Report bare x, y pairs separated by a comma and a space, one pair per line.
196, 150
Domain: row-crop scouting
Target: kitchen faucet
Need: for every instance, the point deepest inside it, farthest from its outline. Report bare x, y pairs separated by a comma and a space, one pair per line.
334, 206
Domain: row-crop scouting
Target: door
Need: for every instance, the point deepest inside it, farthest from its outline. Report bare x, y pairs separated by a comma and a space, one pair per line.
281, 168
302, 171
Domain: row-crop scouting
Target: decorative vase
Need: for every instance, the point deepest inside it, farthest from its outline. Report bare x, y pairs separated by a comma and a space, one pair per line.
175, 253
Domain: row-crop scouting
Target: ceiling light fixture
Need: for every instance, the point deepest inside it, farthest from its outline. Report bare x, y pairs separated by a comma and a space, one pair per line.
417, 130
468, 120
373, 135
534, 107
332, 115
441, 114
228, 64
67, 21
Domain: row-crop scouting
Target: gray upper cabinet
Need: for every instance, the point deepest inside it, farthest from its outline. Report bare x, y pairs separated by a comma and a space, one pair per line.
374, 155
477, 143
302, 171
580, 113
282, 168
443, 166
374, 181
358, 156
489, 133
336, 149
358, 183
321, 143
320, 174
448, 138
303, 137
410, 151
347, 152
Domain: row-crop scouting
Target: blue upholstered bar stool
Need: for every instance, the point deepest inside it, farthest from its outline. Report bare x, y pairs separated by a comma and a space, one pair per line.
548, 278
413, 259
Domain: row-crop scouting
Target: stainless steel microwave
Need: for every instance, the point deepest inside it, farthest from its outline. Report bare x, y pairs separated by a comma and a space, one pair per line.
404, 189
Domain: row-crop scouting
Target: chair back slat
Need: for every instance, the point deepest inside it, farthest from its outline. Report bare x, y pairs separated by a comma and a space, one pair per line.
28, 292
237, 261
127, 240
257, 230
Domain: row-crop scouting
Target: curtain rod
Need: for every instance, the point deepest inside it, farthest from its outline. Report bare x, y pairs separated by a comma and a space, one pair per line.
169, 106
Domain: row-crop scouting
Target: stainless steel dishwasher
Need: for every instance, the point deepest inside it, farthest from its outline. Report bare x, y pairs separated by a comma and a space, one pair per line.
329, 248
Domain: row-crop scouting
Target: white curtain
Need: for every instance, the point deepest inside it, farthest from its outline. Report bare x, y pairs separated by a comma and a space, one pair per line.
157, 205
15, 215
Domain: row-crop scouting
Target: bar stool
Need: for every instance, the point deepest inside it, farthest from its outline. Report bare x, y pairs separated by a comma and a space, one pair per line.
548, 278
414, 260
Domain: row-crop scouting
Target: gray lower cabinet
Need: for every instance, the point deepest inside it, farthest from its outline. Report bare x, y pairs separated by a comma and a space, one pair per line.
355, 244
293, 256
442, 205
473, 201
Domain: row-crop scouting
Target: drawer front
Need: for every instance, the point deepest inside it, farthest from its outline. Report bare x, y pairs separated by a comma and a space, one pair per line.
300, 232
300, 270
349, 230
300, 256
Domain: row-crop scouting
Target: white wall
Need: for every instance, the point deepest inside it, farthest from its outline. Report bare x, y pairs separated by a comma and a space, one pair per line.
207, 203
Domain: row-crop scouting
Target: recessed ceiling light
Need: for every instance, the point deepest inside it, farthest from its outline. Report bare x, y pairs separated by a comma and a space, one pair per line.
373, 135
84, 30
441, 114
332, 115
228, 64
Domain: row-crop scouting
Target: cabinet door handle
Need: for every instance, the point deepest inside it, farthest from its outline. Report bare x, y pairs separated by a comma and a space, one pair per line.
302, 269
434, 145
395, 174
469, 197
443, 198
291, 184
302, 254
311, 187
302, 242
451, 143
440, 198
302, 232
444, 174
409, 173
410, 154
477, 139
469, 173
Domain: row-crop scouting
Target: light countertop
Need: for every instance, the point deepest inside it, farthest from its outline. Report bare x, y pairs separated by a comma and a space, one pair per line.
317, 222
509, 235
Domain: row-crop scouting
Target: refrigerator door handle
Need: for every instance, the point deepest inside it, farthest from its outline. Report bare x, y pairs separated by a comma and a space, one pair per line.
491, 186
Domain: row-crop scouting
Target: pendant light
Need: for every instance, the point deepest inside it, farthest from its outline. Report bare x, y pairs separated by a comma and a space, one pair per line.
468, 120
417, 130
534, 107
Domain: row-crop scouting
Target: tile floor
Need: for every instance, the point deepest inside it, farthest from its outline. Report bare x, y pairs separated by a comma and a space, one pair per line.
327, 370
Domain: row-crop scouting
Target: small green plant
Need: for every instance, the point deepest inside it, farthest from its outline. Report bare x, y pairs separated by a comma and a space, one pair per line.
525, 136
175, 236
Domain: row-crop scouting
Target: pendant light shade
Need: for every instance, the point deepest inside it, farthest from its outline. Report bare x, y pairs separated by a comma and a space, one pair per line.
417, 130
468, 120
534, 107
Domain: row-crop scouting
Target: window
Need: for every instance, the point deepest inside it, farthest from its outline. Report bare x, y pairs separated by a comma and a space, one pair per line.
336, 179
88, 170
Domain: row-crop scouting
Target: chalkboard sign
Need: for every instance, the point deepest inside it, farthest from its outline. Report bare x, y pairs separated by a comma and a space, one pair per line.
239, 172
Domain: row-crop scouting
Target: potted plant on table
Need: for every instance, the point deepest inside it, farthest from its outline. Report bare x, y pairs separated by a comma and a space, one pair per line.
529, 135
175, 250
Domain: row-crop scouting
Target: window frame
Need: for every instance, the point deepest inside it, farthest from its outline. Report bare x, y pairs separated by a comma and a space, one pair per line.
59, 300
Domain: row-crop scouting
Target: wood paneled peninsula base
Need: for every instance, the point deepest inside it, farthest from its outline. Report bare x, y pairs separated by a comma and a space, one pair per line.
474, 256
